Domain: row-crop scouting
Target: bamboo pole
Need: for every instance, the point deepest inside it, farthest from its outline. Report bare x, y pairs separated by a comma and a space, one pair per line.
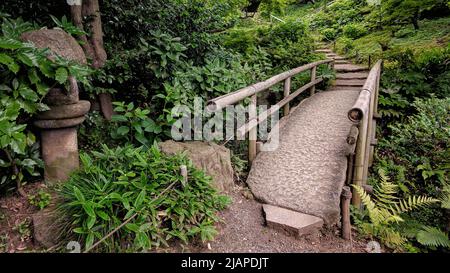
234, 97
359, 160
287, 91
346, 196
313, 78
253, 133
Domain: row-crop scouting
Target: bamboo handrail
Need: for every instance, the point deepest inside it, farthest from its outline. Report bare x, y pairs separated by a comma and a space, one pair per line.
221, 102
251, 126
363, 113
362, 104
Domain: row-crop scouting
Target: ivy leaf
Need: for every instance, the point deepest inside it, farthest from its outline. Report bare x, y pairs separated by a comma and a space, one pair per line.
61, 75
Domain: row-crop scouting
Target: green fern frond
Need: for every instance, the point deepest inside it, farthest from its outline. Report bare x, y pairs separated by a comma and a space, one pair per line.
374, 213
411, 203
431, 236
445, 197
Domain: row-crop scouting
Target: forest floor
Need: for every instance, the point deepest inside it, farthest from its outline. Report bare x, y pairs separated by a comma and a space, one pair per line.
242, 230
16, 229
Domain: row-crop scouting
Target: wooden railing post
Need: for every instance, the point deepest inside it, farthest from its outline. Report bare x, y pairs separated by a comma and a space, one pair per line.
346, 196
287, 91
253, 133
313, 78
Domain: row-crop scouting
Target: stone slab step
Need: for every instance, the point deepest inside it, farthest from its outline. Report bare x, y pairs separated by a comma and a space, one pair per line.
349, 68
349, 82
352, 76
340, 58
341, 62
291, 222
325, 50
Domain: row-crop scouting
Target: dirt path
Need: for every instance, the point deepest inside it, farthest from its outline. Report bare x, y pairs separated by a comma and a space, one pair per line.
243, 231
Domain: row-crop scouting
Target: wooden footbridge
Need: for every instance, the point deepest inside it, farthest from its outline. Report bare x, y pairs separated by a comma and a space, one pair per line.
325, 144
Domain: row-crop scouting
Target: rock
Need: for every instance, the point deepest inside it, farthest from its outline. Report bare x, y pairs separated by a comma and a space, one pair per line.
291, 222
58, 41
44, 228
58, 123
215, 160
66, 111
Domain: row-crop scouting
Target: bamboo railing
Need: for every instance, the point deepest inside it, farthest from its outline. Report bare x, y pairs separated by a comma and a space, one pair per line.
251, 91
364, 113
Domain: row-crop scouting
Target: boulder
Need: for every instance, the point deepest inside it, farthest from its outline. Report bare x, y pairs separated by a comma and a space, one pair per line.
58, 41
213, 159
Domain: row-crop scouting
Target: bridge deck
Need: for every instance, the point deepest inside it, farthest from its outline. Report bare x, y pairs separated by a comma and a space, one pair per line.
307, 172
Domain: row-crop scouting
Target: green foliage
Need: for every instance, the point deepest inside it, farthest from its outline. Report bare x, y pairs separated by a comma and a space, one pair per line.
67, 26
134, 125
329, 34
354, 30
272, 7
94, 132
26, 74
397, 12
115, 184
288, 44
433, 237
41, 200
421, 143
385, 210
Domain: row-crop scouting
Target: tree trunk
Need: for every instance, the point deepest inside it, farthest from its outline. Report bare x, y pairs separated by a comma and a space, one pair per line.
93, 45
415, 20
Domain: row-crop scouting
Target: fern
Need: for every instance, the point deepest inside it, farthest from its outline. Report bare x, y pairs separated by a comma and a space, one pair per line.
445, 197
431, 236
385, 209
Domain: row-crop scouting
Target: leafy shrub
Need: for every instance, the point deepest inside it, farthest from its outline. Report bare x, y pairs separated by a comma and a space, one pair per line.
144, 187
344, 45
354, 30
329, 34
134, 124
408, 76
272, 7
26, 74
422, 143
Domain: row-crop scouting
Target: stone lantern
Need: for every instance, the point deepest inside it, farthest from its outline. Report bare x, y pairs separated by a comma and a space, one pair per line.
58, 125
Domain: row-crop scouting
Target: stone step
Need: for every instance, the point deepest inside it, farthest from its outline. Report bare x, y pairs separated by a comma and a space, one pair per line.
325, 50
349, 82
291, 222
349, 68
345, 88
341, 62
340, 58
352, 76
